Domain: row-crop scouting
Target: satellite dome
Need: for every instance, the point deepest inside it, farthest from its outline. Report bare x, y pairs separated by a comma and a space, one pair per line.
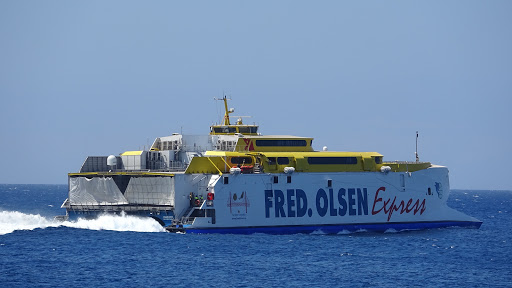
111, 160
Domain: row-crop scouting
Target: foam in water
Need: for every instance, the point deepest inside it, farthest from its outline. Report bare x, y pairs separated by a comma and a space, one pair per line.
11, 221
391, 230
14, 220
117, 223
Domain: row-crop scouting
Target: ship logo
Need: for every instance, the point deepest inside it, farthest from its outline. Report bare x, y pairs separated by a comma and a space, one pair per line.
439, 190
249, 146
238, 205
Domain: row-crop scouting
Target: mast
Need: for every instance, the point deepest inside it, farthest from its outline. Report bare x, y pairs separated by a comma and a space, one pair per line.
226, 115
417, 156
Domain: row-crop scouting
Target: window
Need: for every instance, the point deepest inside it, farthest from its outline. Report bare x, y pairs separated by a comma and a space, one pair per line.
288, 179
281, 142
226, 180
248, 130
225, 129
332, 160
271, 160
244, 130
241, 160
276, 179
378, 160
329, 183
283, 160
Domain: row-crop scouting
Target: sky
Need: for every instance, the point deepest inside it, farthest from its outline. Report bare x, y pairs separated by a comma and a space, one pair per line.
93, 78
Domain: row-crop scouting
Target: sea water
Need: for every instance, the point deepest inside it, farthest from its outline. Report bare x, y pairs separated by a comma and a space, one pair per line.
123, 251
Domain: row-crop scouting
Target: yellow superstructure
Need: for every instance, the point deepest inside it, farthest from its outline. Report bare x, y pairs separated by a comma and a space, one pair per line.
276, 162
254, 153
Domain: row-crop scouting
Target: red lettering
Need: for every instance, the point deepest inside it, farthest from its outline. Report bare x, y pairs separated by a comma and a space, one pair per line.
390, 210
407, 209
402, 207
396, 208
377, 200
422, 206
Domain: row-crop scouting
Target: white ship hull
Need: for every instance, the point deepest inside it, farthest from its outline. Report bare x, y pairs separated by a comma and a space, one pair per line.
358, 200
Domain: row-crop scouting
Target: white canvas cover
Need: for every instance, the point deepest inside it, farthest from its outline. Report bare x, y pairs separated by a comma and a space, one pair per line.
150, 190
95, 191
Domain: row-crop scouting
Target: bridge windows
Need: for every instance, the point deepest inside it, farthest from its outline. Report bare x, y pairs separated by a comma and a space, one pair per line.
244, 130
281, 142
248, 130
332, 160
224, 129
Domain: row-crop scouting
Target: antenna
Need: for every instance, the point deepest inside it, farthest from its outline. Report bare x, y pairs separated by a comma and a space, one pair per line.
417, 156
228, 111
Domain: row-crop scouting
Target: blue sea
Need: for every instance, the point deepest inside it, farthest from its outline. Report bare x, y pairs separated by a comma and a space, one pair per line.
115, 251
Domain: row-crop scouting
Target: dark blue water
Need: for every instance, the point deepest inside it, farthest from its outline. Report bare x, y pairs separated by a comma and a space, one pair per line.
130, 252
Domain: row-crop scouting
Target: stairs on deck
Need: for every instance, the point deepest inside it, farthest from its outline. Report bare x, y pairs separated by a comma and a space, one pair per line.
186, 219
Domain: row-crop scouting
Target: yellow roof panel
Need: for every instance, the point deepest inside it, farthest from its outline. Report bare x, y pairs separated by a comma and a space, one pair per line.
132, 153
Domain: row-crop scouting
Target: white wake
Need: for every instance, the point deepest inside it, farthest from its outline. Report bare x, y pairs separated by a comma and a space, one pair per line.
11, 221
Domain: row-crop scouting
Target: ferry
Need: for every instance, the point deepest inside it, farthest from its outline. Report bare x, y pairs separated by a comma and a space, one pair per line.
235, 180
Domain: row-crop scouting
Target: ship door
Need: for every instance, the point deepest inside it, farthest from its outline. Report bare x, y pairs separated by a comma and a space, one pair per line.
402, 181
368, 164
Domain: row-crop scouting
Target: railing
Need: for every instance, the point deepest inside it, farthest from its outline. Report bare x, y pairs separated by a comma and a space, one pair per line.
406, 166
403, 162
163, 167
160, 167
118, 208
